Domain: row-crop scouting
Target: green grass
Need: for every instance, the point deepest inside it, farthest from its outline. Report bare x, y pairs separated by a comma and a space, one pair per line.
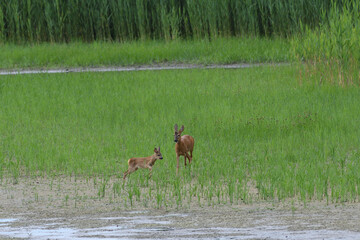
253, 128
222, 50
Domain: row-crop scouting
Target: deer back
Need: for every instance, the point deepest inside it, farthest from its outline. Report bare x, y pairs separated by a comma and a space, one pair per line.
138, 162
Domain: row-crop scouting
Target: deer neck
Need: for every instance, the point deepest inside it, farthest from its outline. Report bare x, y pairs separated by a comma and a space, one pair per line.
179, 141
152, 160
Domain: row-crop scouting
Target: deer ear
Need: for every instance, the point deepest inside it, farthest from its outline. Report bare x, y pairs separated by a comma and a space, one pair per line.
155, 150
159, 149
176, 127
182, 128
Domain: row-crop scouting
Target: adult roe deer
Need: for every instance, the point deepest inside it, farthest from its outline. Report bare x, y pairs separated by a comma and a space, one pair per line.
143, 162
184, 144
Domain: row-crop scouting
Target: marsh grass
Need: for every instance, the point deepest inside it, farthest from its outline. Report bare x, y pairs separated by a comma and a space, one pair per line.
258, 134
222, 50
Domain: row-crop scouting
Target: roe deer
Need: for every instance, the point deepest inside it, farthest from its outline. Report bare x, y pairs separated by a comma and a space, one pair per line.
144, 162
184, 144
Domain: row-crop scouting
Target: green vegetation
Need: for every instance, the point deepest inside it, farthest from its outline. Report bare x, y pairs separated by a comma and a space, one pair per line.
255, 130
331, 52
222, 50
124, 20
258, 132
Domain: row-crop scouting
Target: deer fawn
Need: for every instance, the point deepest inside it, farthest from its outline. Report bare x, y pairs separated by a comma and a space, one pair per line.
144, 162
184, 144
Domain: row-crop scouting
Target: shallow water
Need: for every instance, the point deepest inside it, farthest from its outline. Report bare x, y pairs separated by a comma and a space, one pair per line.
145, 226
132, 68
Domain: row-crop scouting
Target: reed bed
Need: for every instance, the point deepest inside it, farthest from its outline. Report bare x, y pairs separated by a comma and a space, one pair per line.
124, 20
258, 135
331, 52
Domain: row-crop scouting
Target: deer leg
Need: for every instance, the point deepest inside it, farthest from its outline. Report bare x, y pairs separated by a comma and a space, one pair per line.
125, 174
150, 172
130, 170
190, 156
185, 159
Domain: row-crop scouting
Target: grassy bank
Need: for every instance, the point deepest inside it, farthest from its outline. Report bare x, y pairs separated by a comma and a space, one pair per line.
254, 129
224, 50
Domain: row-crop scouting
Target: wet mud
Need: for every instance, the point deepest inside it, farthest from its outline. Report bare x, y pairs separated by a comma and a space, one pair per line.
221, 223
41, 209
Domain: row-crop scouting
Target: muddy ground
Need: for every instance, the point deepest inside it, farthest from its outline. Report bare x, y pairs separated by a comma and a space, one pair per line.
63, 208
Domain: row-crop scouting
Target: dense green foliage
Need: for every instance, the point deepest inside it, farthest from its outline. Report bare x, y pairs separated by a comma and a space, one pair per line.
331, 52
77, 20
255, 130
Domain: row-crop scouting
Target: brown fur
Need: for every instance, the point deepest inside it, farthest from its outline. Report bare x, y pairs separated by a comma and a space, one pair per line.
184, 144
143, 162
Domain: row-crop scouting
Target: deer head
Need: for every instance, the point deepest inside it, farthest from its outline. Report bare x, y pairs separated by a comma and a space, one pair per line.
157, 153
177, 134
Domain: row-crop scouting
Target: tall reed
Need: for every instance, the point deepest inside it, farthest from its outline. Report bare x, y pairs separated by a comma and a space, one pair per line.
124, 20
331, 52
